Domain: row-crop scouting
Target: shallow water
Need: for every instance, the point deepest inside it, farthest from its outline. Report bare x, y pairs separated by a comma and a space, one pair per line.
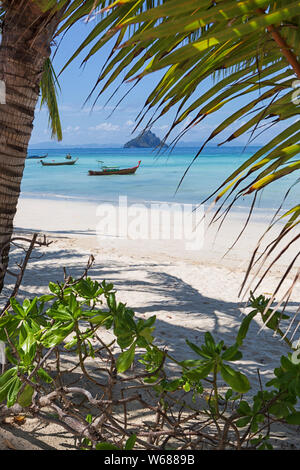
156, 179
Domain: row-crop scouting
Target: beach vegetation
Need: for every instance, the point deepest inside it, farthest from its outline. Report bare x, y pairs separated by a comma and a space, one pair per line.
201, 402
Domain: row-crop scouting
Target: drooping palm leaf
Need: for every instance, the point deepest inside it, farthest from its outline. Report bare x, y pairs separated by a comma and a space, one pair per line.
49, 87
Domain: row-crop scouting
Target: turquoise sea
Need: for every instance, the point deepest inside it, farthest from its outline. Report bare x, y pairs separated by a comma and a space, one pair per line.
155, 180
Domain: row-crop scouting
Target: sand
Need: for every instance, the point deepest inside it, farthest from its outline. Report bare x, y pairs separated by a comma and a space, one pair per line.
190, 291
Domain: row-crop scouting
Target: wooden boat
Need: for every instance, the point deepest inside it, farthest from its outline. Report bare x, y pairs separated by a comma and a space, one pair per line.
70, 162
29, 157
105, 171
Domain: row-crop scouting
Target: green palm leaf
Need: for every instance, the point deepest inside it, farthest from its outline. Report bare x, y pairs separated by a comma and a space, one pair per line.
49, 87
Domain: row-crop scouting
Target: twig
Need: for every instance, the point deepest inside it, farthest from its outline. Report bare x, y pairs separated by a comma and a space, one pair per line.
32, 243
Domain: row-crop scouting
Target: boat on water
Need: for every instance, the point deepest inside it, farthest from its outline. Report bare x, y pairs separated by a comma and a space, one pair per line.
29, 157
54, 163
114, 170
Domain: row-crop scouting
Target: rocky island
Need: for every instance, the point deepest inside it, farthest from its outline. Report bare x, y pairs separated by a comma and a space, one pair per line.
144, 140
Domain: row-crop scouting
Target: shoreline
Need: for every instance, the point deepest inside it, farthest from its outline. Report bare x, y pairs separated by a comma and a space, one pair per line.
80, 221
258, 212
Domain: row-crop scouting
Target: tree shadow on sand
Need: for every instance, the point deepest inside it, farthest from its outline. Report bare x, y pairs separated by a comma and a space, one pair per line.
182, 311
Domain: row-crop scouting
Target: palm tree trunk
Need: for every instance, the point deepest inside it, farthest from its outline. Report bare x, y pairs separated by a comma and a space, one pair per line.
26, 36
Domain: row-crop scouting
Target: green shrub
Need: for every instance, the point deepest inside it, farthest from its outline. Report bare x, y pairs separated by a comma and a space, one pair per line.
71, 318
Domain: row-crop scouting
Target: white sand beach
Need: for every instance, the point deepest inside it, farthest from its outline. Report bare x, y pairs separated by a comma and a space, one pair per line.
190, 292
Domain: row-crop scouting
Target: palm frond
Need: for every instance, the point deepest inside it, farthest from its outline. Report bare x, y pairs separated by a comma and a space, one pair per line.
49, 88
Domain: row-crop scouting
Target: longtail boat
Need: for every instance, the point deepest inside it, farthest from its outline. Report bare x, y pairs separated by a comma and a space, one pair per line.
69, 162
107, 170
30, 157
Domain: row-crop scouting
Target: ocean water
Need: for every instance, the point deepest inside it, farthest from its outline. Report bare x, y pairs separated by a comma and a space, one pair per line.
155, 180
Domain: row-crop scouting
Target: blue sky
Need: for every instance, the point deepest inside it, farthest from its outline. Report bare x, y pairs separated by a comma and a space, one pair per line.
83, 125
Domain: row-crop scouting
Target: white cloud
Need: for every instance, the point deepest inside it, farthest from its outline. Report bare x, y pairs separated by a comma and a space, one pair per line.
163, 127
66, 108
91, 109
106, 127
71, 129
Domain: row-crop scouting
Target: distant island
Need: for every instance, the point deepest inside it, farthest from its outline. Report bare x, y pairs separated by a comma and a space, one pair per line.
144, 140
